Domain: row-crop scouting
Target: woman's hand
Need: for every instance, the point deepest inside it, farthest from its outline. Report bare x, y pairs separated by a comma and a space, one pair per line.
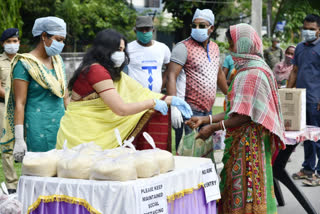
195, 122
205, 132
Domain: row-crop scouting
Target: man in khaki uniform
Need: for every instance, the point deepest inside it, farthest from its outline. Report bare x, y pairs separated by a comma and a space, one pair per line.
274, 54
10, 43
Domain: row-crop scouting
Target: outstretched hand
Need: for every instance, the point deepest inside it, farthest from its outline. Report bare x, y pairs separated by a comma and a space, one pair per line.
195, 122
205, 132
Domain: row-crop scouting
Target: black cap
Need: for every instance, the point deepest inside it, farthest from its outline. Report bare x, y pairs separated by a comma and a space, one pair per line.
10, 32
144, 21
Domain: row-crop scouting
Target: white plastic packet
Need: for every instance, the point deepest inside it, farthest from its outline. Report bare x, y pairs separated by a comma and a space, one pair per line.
9, 204
43, 164
76, 162
164, 158
114, 169
146, 164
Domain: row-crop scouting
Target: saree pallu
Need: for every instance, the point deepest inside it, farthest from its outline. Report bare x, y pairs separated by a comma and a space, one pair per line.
247, 179
93, 121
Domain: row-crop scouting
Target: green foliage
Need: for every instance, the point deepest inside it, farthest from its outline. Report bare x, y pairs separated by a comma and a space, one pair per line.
84, 19
10, 16
165, 24
223, 46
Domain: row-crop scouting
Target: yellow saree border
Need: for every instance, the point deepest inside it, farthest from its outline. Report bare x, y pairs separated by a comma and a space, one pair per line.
62, 198
182, 193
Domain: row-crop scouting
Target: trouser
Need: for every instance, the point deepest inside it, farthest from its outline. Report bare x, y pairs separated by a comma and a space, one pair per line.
311, 148
7, 160
187, 129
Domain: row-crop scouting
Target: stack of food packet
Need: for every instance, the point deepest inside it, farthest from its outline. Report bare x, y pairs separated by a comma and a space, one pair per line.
89, 161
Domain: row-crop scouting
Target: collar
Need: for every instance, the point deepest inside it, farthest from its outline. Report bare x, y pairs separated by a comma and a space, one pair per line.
4, 57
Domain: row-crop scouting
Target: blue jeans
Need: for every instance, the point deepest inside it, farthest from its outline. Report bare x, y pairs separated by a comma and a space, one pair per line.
187, 129
311, 148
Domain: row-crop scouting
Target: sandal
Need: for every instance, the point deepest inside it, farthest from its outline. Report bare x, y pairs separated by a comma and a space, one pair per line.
301, 175
314, 181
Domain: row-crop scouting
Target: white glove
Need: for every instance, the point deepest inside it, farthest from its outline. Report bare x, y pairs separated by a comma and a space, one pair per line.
176, 117
20, 147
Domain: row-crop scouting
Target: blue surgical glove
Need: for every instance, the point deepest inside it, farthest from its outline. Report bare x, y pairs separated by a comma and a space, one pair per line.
161, 106
183, 106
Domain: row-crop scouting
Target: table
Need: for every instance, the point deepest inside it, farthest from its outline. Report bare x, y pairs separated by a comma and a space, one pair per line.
183, 191
280, 173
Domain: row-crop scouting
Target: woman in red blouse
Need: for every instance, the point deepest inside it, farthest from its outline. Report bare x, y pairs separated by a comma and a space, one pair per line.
104, 98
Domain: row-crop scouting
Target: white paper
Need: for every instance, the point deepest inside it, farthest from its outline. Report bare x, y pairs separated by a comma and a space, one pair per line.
152, 198
210, 182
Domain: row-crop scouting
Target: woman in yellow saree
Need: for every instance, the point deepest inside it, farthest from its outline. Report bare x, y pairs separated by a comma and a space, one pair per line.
104, 98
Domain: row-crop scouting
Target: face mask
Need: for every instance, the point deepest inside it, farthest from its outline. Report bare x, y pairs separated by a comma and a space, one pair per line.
118, 58
11, 48
278, 45
55, 48
145, 38
199, 35
288, 60
309, 35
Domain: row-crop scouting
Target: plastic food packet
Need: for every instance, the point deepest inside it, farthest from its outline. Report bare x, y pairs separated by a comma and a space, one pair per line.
146, 164
114, 169
76, 162
164, 158
43, 164
9, 204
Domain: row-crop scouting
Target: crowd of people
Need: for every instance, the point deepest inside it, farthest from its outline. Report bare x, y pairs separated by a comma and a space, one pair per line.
40, 110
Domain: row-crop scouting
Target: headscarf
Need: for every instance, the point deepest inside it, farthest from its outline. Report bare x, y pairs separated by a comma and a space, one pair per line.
283, 69
52, 25
254, 90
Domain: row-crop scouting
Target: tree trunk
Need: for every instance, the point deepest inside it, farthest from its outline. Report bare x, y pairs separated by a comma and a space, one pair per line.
269, 18
256, 15
277, 15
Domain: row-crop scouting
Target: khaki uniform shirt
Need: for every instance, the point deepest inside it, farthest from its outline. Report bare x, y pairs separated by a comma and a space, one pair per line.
272, 57
5, 68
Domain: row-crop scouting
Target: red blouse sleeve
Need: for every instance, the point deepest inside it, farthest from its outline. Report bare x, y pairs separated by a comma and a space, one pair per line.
97, 73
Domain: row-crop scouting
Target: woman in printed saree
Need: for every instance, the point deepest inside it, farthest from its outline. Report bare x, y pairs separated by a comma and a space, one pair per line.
104, 98
36, 93
254, 128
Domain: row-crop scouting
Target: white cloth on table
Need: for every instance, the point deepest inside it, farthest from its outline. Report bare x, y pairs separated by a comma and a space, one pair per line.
120, 197
309, 133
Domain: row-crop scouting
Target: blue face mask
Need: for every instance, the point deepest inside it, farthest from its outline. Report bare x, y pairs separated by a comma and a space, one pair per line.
309, 35
144, 38
55, 48
199, 35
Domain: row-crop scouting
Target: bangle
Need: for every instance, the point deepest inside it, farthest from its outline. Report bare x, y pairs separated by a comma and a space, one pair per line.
154, 103
210, 117
224, 128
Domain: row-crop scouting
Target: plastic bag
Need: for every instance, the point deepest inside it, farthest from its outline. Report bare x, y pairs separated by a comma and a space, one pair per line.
76, 162
9, 205
196, 147
114, 169
146, 164
43, 164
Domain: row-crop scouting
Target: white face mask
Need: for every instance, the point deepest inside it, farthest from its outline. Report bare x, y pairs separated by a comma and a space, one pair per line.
309, 35
278, 45
118, 58
11, 48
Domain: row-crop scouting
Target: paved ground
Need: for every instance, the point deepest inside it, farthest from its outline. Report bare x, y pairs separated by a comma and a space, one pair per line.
292, 206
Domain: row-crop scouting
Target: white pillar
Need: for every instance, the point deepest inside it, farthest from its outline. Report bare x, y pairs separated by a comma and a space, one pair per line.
256, 15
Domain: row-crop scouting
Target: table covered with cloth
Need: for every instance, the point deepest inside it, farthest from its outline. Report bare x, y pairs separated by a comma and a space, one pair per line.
180, 191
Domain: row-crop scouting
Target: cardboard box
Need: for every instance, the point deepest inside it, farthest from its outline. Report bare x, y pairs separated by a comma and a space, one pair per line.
293, 106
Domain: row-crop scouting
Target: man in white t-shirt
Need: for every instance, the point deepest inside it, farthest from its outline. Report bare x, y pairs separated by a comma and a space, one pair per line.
147, 56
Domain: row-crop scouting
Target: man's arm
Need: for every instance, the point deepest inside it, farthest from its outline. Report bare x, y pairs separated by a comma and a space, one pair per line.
2, 91
165, 76
222, 82
174, 70
293, 77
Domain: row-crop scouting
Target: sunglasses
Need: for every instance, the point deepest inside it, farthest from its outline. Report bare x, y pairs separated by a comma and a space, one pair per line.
201, 26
